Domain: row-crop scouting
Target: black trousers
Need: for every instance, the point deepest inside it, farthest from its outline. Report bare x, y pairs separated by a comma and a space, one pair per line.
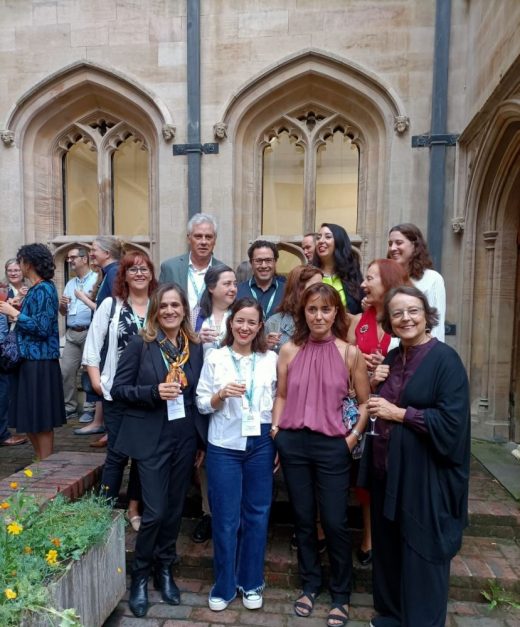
318, 466
406, 587
165, 478
115, 462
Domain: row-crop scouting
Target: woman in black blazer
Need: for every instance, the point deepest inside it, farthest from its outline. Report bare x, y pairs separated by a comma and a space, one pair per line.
162, 430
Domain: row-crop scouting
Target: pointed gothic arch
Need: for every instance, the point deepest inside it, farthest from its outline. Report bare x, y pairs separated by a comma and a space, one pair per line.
314, 79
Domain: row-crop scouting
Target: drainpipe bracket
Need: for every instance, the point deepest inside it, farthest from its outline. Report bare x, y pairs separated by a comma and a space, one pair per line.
425, 141
185, 149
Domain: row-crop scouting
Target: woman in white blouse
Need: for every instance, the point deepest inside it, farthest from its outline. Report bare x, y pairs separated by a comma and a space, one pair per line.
407, 246
237, 387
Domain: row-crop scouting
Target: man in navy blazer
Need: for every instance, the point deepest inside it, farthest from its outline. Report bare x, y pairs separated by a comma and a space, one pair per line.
188, 270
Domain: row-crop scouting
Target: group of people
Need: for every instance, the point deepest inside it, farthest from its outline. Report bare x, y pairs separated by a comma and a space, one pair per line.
341, 380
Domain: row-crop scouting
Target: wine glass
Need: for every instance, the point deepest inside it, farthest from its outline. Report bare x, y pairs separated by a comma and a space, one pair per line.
275, 327
373, 418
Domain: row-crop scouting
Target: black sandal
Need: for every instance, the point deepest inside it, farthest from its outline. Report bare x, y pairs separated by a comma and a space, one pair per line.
340, 620
302, 608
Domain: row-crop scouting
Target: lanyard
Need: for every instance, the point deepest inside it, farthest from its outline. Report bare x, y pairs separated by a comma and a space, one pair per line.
271, 300
139, 322
198, 292
249, 392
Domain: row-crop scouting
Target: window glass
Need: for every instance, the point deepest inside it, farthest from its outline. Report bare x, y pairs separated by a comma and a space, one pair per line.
130, 188
283, 164
80, 191
337, 165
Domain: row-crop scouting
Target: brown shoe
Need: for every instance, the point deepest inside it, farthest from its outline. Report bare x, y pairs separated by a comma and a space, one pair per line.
14, 440
101, 443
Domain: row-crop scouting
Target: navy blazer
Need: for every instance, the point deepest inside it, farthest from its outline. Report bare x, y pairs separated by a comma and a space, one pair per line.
175, 270
140, 367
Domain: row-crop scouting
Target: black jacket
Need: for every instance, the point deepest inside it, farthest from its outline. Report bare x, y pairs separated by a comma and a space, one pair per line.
140, 367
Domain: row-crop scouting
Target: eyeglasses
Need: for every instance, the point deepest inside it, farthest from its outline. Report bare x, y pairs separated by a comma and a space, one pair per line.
139, 270
15, 271
72, 257
413, 312
259, 262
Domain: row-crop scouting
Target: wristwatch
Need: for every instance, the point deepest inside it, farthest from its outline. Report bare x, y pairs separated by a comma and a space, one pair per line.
358, 435
274, 429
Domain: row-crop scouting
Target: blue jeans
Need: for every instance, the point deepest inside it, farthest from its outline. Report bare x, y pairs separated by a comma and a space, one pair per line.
4, 404
240, 488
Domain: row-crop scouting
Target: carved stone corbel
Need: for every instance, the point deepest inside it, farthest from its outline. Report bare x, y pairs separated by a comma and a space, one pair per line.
401, 124
7, 137
168, 132
458, 224
220, 130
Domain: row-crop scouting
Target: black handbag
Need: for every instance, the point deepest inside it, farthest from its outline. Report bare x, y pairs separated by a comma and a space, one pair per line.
10, 357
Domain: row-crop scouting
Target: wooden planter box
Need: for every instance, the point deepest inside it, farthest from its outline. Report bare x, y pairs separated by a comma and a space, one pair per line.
93, 585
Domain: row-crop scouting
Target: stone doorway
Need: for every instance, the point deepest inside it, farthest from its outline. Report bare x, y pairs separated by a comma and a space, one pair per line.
514, 396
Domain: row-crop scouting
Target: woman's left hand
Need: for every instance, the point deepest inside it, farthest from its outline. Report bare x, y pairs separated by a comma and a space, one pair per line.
199, 458
380, 407
351, 441
8, 310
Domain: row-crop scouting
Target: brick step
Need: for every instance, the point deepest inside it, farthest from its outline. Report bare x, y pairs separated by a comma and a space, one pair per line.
493, 519
480, 561
278, 611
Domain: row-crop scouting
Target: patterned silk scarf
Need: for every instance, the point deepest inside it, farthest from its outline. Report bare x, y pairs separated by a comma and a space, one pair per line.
175, 357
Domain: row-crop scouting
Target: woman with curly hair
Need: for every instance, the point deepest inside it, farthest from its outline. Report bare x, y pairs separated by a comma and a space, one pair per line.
407, 246
37, 404
340, 265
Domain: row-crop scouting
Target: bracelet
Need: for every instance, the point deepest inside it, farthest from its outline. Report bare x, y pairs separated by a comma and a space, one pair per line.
274, 429
358, 435
218, 394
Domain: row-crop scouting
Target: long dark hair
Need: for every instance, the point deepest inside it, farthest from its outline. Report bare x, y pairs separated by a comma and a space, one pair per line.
332, 298
259, 344
211, 279
420, 259
346, 263
151, 326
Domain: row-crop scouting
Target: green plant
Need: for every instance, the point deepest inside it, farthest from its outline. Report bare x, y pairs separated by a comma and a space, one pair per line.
36, 547
496, 595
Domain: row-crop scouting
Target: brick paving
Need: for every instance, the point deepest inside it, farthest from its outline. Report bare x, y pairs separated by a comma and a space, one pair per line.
490, 552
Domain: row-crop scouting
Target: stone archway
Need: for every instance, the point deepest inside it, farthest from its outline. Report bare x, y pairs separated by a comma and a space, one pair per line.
313, 78
491, 295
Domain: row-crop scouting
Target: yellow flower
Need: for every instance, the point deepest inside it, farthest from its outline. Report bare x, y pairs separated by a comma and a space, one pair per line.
14, 528
10, 594
51, 557
4, 505
28, 472
119, 570
56, 542
27, 550
13, 485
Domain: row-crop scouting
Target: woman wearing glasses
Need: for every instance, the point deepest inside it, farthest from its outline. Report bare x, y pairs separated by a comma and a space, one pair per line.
417, 466
116, 320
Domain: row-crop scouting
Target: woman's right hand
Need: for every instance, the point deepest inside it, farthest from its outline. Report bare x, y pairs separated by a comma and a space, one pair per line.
169, 391
208, 335
232, 390
380, 374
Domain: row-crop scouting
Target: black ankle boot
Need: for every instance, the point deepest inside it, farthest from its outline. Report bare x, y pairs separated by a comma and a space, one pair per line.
163, 581
138, 600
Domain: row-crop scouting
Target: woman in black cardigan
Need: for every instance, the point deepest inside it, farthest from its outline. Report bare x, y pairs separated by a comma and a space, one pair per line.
162, 430
417, 467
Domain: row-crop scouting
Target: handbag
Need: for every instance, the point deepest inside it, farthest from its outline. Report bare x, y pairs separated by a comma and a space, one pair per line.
10, 356
350, 414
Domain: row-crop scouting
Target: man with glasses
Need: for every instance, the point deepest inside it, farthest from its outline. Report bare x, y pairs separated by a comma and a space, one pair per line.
78, 316
264, 286
188, 270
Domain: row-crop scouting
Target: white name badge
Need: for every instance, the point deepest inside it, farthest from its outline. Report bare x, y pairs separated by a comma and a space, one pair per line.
250, 423
176, 408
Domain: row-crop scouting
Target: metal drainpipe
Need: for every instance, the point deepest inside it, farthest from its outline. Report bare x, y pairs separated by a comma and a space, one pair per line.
193, 89
437, 179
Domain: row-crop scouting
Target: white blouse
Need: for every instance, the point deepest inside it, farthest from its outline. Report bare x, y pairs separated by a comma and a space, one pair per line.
225, 425
432, 286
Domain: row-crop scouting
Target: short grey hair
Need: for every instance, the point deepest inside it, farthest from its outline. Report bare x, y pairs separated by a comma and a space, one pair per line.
111, 245
202, 218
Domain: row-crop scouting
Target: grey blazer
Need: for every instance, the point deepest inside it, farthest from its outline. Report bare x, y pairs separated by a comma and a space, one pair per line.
175, 270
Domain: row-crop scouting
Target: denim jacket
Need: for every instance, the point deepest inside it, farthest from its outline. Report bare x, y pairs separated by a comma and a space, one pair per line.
37, 324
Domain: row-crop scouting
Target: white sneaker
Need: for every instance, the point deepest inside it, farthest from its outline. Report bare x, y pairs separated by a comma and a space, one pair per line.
217, 604
252, 599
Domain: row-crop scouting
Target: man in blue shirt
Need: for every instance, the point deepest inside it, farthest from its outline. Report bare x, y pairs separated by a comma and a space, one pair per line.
264, 286
78, 317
